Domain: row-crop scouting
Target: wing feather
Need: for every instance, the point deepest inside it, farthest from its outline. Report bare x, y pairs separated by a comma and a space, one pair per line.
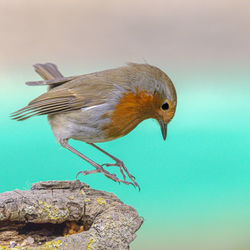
71, 96
80, 92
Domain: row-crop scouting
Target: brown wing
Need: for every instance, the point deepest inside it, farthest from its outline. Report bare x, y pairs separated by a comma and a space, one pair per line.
82, 92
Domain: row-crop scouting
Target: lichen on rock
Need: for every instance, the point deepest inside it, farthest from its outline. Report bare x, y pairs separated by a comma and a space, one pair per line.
65, 215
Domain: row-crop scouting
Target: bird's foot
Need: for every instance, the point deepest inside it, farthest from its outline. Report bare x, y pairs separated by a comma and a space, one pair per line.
114, 178
116, 165
122, 167
107, 174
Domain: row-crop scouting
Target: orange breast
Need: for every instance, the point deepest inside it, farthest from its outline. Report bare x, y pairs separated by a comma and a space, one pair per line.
129, 112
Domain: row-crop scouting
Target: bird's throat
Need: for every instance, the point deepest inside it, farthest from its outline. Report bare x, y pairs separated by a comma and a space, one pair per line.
129, 112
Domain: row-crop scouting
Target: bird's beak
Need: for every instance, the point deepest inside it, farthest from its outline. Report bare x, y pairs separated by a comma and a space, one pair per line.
163, 129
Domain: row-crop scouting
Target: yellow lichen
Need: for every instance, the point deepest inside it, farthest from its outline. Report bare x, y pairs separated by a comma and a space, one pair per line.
54, 212
87, 200
101, 201
55, 244
71, 197
91, 240
82, 192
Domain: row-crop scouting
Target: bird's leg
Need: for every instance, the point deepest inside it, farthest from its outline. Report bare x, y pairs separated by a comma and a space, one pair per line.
99, 169
117, 163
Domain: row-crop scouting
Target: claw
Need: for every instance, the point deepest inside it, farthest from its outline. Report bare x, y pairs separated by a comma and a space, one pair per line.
87, 172
113, 177
115, 165
122, 167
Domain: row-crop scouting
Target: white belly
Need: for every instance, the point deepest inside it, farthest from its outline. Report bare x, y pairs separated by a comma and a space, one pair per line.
83, 125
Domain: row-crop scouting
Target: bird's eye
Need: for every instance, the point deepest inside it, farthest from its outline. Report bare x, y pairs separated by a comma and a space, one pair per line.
165, 106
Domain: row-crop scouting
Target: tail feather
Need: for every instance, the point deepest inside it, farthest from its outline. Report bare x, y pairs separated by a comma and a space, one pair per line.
48, 71
51, 75
51, 102
54, 82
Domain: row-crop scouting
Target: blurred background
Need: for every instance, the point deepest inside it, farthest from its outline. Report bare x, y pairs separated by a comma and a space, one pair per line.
195, 189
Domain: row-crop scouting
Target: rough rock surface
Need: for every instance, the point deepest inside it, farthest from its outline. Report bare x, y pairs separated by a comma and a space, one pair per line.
65, 215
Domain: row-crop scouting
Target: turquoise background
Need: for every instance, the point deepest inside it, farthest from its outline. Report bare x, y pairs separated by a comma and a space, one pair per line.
194, 186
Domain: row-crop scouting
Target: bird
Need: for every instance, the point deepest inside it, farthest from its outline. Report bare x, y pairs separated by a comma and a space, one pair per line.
102, 106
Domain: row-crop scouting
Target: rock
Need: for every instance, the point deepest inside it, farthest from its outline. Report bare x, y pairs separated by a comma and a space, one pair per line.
66, 215
30, 240
12, 244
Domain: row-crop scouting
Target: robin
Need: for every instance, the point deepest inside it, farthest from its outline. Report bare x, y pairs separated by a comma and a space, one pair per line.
102, 106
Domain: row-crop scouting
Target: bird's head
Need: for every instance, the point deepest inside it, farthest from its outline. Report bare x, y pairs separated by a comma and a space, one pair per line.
163, 93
